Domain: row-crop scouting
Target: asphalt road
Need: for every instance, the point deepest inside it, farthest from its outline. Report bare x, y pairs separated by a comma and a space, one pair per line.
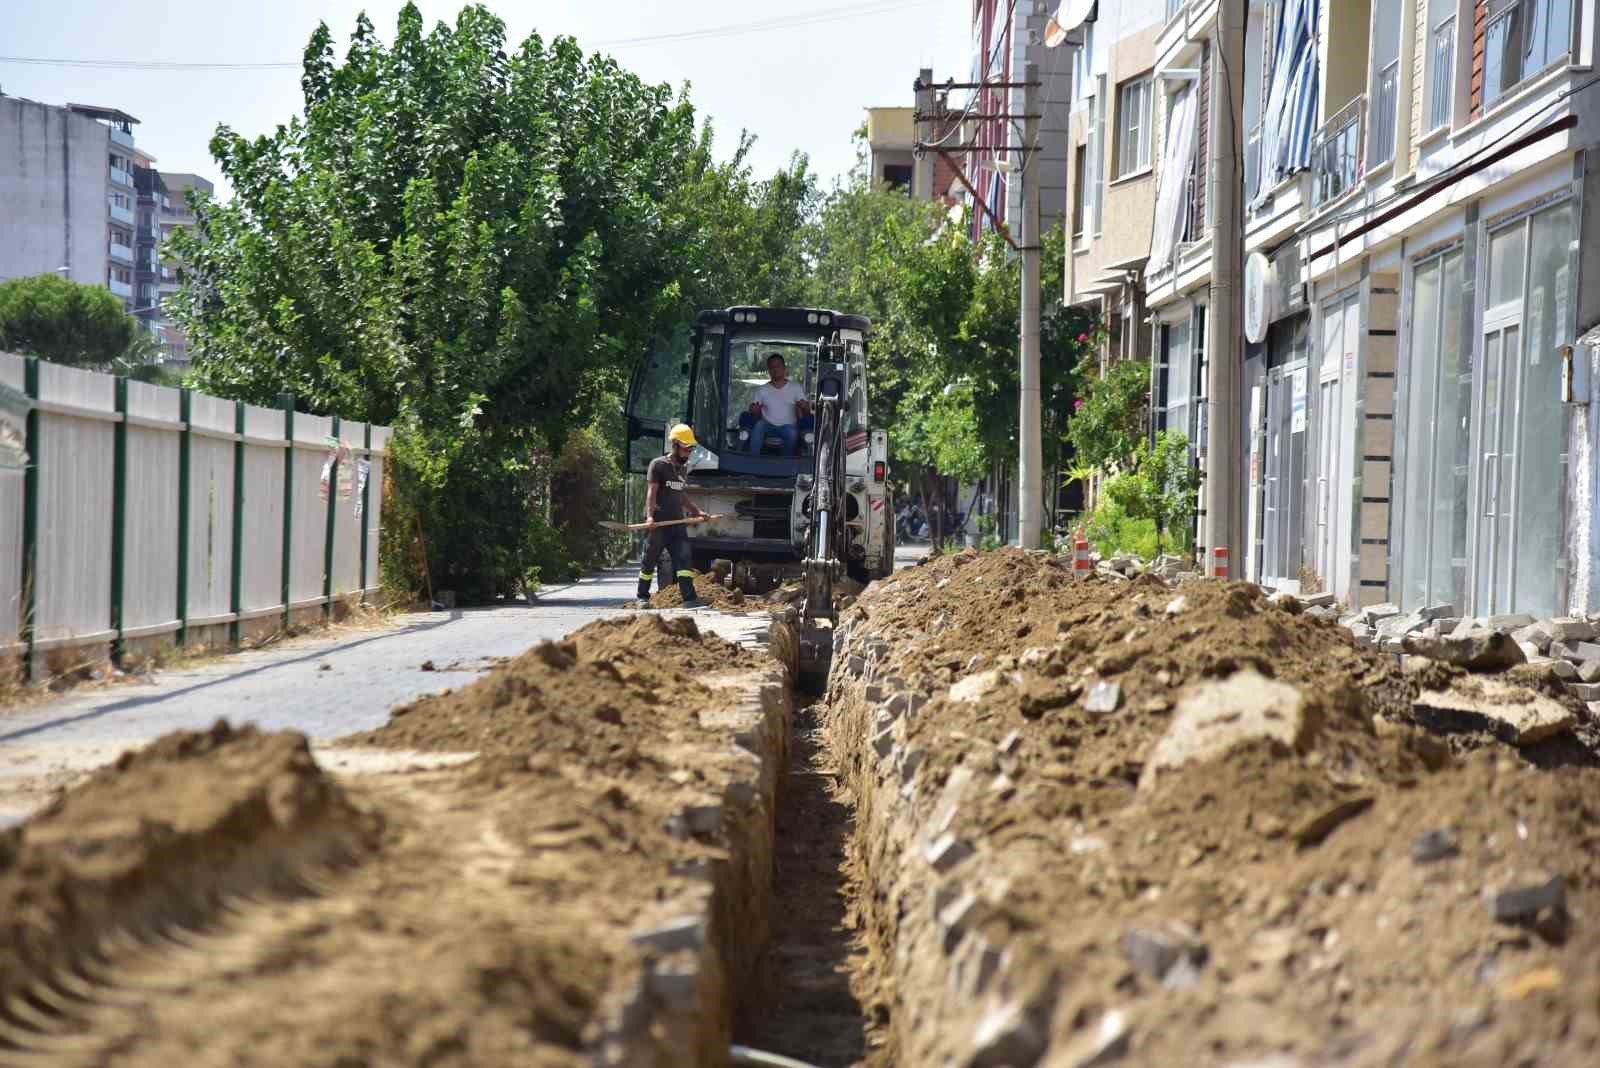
323, 686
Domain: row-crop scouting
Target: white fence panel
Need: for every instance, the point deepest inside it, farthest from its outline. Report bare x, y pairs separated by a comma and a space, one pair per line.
262, 550
210, 511
308, 553
346, 523
12, 374
380, 464
76, 459
150, 577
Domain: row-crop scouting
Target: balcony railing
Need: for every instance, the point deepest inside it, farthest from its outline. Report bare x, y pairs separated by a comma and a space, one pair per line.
119, 252
121, 177
121, 289
120, 214
1441, 83
1385, 101
1336, 154
1252, 163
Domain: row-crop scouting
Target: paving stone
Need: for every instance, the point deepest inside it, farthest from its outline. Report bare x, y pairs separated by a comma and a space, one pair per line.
1583, 650
685, 932
1216, 716
1535, 636
1569, 629
1377, 612
1524, 899
1509, 621
1589, 670
883, 743
1006, 1037
910, 761
1104, 696
975, 688
1476, 650
1436, 612
1513, 713
1584, 691
1430, 846
1319, 600
946, 851
958, 917
1155, 953
1566, 670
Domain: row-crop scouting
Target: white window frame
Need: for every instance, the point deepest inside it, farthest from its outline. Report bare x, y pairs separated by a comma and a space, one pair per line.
1133, 124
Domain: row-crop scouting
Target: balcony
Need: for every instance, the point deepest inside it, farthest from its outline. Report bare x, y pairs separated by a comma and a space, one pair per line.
1442, 71
122, 137
121, 289
120, 214
120, 253
1336, 154
1385, 102
121, 177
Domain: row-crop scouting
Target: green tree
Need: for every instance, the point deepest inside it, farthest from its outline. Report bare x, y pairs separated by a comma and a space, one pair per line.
1161, 485
474, 246
1107, 425
63, 321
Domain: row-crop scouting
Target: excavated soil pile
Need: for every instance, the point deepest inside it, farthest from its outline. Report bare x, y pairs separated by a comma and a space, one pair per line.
1204, 829
709, 588
546, 904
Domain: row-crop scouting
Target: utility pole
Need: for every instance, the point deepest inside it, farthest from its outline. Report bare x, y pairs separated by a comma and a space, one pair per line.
1224, 331
1031, 488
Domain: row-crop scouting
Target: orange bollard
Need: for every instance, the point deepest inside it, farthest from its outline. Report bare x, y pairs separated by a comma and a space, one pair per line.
1219, 562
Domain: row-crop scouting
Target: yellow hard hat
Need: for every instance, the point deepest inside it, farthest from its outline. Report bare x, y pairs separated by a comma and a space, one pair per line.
683, 435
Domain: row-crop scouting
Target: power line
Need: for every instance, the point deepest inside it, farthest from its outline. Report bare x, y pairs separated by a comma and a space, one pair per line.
785, 22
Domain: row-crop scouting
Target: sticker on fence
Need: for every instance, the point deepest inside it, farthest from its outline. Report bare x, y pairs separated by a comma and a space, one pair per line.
338, 453
363, 468
14, 407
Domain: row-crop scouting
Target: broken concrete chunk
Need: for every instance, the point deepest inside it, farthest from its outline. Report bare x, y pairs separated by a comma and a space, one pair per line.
685, 932
1568, 629
1321, 823
1513, 713
1434, 845
957, 918
975, 688
1011, 742
703, 819
1525, 899
1103, 696
910, 761
1214, 717
1566, 670
676, 985
1589, 670
946, 851
1004, 1038
1435, 612
1177, 605
1156, 953
1534, 634
883, 743
1379, 612
1107, 1045
1476, 650
1584, 691
1508, 622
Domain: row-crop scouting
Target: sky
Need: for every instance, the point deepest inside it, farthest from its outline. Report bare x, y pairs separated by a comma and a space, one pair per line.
795, 87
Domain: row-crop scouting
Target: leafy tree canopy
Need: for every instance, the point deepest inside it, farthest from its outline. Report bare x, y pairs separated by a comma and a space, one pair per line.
63, 321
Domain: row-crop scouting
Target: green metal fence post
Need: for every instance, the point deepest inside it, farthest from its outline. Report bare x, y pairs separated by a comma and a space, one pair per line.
30, 511
366, 500
327, 543
184, 443
287, 400
119, 515
236, 583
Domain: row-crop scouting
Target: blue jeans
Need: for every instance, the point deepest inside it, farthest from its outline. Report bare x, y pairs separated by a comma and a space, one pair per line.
758, 437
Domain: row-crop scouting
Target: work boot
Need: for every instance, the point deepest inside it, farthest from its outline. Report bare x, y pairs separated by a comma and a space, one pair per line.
642, 604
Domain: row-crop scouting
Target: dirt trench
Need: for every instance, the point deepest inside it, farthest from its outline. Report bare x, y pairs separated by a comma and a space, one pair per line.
592, 888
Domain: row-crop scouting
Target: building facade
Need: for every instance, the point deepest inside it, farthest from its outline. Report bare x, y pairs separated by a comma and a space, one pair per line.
67, 183
1421, 199
177, 213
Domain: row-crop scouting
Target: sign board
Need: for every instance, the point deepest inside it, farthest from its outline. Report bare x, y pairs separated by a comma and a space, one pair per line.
1297, 403
1256, 272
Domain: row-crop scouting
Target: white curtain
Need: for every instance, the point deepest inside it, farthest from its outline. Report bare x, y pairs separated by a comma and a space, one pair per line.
1182, 124
1291, 114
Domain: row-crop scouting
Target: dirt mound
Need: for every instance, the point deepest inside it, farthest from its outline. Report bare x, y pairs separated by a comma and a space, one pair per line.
152, 841
709, 588
606, 690
1286, 874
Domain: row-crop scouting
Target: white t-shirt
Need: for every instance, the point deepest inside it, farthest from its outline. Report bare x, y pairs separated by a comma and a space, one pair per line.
778, 402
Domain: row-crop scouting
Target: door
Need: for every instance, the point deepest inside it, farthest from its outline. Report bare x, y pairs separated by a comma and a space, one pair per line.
1341, 324
1497, 465
657, 395
1283, 477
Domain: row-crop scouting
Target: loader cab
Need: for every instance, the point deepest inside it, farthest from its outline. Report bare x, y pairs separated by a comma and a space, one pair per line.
709, 376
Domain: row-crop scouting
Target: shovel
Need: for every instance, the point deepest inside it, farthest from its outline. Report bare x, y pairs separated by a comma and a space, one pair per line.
611, 525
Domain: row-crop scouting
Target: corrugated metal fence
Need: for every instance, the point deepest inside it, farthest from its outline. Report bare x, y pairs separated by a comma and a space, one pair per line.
143, 511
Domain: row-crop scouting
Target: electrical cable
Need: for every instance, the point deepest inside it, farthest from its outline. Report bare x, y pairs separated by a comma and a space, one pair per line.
797, 20
972, 101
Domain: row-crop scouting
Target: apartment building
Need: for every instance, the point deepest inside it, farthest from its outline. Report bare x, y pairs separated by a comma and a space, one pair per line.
151, 196
68, 190
1422, 214
1112, 157
177, 213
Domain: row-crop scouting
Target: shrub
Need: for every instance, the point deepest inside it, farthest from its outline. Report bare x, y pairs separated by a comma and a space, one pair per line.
583, 489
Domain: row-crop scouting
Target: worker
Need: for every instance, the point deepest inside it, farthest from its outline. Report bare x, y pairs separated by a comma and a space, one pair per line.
778, 407
666, 480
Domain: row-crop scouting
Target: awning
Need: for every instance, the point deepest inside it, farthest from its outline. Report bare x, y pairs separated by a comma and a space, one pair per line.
1176, 164
1071, 15
1132, 263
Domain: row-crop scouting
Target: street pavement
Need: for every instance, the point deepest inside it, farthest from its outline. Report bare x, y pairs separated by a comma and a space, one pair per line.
324, 686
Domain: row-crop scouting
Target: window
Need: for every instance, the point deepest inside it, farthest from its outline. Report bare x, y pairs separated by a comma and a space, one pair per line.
1177, 387
1384, 94
897, 175
1080, 189
1523, 38
1097, 157
1133, 127
1441, 61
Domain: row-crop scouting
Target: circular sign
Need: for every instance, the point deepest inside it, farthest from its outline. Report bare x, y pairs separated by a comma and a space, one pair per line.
1255, 297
